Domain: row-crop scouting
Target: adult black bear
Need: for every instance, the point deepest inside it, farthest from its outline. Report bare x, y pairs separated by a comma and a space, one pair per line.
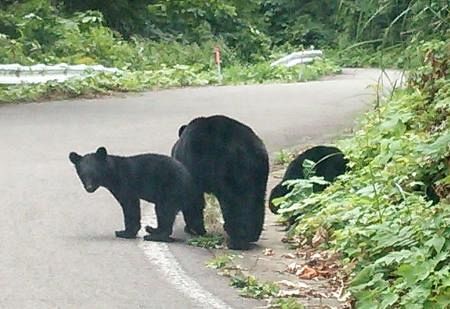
154, 178
226, 158
330, 163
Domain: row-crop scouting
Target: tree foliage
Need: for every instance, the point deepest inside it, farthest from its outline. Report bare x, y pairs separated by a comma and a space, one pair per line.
189, 21
250, 29
305, 22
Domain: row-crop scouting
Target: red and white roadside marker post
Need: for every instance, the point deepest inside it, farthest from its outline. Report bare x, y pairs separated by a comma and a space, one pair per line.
218, 61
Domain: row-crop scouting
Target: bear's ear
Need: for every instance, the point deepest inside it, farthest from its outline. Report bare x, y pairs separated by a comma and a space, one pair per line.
181, 129
74, 157
101, 153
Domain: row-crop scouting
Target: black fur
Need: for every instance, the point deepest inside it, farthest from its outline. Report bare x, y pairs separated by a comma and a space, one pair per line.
330, 163
226, 158
154, 178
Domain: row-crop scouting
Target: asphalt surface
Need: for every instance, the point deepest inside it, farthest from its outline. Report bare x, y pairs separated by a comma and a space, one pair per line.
57, 245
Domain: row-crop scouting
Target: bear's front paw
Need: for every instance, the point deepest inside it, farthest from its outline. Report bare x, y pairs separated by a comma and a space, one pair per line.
238, 244
158, 237
125, 234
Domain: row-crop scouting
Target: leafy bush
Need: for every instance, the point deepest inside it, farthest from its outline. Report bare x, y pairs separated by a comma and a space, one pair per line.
35, 31
264, 73
301, 23
247, 30
235, 22
104, 83
370, 24
378, 214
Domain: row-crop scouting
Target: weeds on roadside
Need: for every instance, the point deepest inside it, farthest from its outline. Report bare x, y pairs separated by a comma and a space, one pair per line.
286, 303
249, 286
211, 241
284, 157
221, 261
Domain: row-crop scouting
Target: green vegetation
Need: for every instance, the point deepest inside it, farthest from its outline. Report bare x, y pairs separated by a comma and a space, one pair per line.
139, 34
249, 286
35, 31
286, 303
104, 83
210, 241
360, 33
164, 77
44, 31
378, 215
221, 261
284, 157
145, 38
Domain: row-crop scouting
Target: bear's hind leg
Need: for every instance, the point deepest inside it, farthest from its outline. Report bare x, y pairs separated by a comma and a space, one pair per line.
235, 215
256, 211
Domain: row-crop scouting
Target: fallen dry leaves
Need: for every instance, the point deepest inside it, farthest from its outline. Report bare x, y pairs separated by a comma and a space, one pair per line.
315, 265
303, 290
307, 272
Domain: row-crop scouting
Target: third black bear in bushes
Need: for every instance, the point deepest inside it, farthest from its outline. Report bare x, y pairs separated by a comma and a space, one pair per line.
330, 163
226, 158
154, 178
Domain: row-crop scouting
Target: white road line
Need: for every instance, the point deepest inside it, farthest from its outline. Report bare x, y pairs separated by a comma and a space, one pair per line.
159, 255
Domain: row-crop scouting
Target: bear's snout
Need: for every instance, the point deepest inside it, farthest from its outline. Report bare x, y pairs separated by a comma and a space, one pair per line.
90, 188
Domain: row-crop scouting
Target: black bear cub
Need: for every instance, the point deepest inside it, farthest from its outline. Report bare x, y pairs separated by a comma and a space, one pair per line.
330, 163
226, 158
154, 178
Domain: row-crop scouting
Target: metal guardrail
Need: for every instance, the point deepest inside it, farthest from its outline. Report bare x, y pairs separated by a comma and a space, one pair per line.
301, 57
41, 73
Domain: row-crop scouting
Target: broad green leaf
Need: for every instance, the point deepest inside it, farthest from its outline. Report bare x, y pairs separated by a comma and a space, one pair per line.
367, 304
394, 257
437, 243
364, 276
388, 299
408, 272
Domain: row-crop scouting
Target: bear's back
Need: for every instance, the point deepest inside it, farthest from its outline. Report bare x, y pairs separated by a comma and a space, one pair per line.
217, 149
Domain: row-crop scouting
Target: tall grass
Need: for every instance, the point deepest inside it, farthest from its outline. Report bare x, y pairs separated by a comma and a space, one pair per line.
382, 24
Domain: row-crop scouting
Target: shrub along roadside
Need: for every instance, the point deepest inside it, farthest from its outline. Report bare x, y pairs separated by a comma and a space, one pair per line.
165, 77
395, 241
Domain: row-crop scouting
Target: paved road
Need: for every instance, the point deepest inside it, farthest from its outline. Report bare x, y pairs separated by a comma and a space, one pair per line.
57, 248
